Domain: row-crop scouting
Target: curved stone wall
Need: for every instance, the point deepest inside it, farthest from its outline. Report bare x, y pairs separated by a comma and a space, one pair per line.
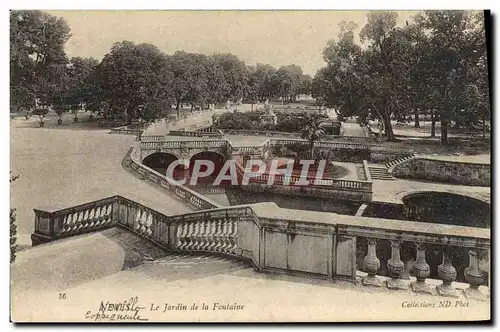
472, 174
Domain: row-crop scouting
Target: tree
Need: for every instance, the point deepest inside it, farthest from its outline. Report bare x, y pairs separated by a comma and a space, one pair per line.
305, 84
456, 47
287, 82
235, 75
312, 130
134, 79
382, 68
190, 82
235, 121
340, 84
37, 42
80, 85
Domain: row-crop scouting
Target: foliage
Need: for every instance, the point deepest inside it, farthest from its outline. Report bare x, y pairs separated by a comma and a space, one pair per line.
37, 57
436, 62
133, 79
136, 81
238, 121
13, 227
312, 130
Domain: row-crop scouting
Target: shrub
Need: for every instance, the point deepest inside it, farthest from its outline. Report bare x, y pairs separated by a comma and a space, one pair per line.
13, 235
13, 228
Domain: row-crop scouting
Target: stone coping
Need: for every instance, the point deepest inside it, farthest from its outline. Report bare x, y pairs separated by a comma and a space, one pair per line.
452, 159
273, 211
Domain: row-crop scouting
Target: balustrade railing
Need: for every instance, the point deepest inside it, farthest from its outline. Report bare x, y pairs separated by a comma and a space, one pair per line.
211, 230
153, 138
164, 144
329, 244
157, 142
195, 133
418, 237
327, 183
186, 194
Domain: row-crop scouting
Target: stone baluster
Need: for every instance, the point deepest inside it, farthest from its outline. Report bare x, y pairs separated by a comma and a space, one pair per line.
144, 222
396, 267
189, 236
74, 221
475, 278
149, 224
211, 235
137, 222
371, 265
65, 224
234, 232
92, 218
181, 233
222, 235
185, 236
227, 235
218, 235
79, 221
195, 236
108, 213
421, 270
86, 219
208, 235
97, 217
203, 235
448, 274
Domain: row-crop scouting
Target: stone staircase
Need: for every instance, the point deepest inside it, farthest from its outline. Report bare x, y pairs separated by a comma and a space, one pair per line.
380, 173
397, 161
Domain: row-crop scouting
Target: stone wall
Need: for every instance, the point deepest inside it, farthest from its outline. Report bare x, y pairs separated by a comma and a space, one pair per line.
344, 194
471, 174
238, 196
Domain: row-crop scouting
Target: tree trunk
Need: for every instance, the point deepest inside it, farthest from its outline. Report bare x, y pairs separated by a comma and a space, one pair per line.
444, 132
191, 108
129, 118
433, 123
177, 105
484, 125
417, 119
388, 127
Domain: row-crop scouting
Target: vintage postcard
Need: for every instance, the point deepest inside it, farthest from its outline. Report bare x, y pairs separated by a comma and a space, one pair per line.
250, 166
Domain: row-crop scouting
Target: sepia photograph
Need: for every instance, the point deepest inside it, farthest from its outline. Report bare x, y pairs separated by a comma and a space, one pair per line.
256, 166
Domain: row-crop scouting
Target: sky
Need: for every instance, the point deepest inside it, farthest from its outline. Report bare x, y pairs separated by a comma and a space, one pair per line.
277, 38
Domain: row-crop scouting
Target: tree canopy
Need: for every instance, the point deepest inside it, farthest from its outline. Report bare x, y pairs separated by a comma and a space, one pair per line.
436, 64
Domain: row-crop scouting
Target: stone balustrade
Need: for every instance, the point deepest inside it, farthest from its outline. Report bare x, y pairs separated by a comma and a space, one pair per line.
157, 145
316, 244
381, 152
51, 223
193, 198
325, 183
126, 130
153, 138
195, 134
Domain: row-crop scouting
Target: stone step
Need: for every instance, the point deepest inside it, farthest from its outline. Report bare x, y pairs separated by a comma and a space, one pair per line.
380, 173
